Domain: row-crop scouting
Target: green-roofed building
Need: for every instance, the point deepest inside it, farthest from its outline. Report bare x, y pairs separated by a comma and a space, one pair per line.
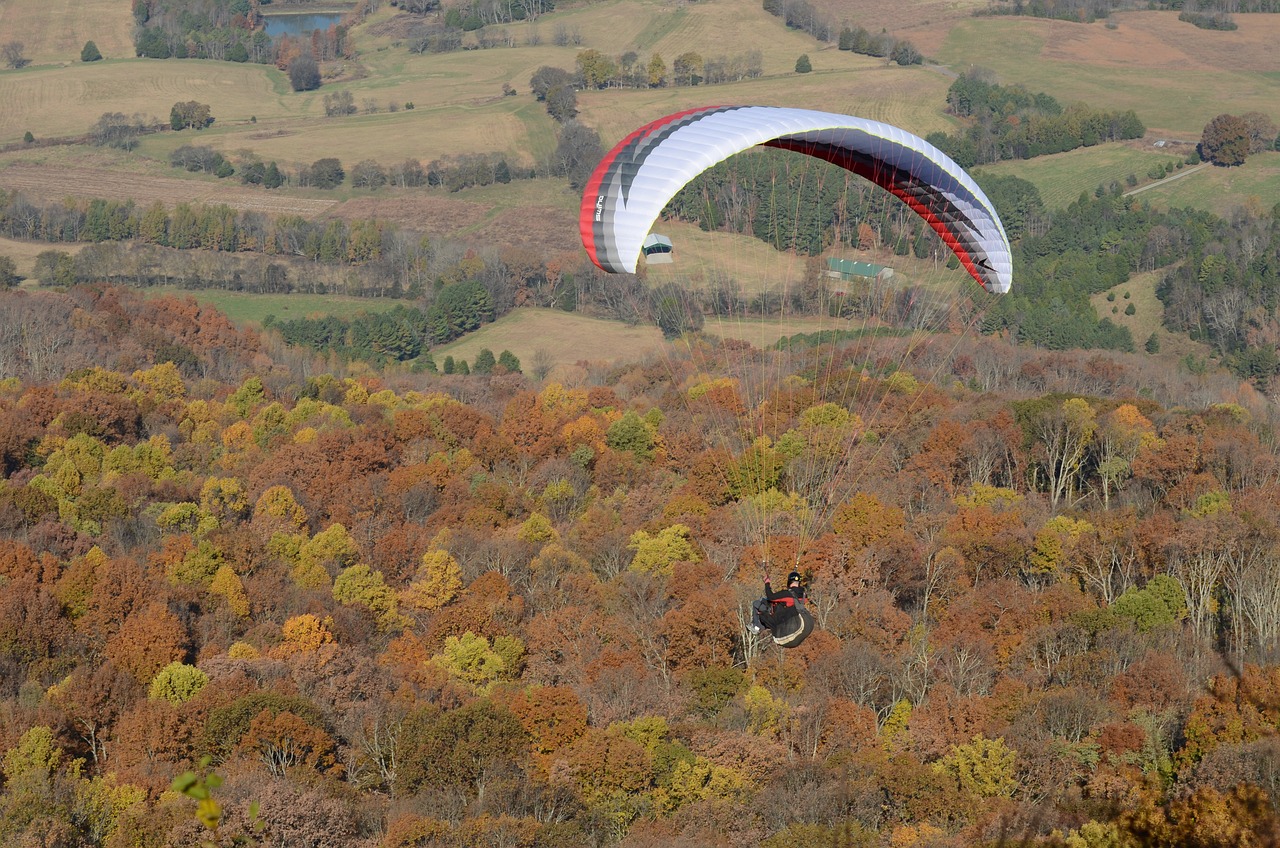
847, 269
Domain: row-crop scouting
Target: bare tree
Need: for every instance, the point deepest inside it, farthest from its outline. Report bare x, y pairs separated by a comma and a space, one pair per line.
12, 53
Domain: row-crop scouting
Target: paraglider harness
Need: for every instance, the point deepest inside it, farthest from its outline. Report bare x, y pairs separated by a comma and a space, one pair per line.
791, 620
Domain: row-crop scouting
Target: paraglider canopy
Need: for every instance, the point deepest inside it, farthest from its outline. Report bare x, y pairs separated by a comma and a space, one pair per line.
635, 180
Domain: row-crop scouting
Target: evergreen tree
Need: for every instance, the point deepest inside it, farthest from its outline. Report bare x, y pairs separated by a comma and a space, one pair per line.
508, 360
90, 52
485, 361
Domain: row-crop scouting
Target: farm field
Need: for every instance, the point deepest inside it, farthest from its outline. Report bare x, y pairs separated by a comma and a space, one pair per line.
1173, 75
1063, 177
67, 100
252, 309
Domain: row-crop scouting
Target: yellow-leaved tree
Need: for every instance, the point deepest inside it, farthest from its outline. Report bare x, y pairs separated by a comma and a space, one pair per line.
438, 581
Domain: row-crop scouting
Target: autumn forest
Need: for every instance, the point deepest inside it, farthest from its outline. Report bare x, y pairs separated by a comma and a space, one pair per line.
248, 599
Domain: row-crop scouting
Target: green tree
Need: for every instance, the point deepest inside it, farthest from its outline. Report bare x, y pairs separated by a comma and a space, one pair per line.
326, 173
1153, 344
803, 65
659, 552
360, 585
90, 53
509, 361
985, 767
55, 268
485, 362
596, 69
479, 662
464, 747
190, 115
631, 433
177, 683
1160, 603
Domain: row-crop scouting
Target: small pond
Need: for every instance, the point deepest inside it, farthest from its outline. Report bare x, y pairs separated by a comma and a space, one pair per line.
302, 23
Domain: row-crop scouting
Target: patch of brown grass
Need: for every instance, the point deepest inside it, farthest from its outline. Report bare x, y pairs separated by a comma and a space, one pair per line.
1160, 40
565, 339
47, 183
417, 210
24, 253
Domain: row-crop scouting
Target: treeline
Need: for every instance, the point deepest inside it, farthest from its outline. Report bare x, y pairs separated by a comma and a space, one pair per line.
228, 30
1093, 245
450, 172
1221, 282
859, 40
185, 227
1207, 14
397, 335
794, 203
802, 15
1010, 122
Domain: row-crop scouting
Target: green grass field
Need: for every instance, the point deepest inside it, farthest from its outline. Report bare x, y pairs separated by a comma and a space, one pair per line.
1256, 183
1063, 177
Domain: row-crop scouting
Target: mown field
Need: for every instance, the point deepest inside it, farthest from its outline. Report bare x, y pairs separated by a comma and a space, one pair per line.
54, 31
1063, 177
67, 99
566, 340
